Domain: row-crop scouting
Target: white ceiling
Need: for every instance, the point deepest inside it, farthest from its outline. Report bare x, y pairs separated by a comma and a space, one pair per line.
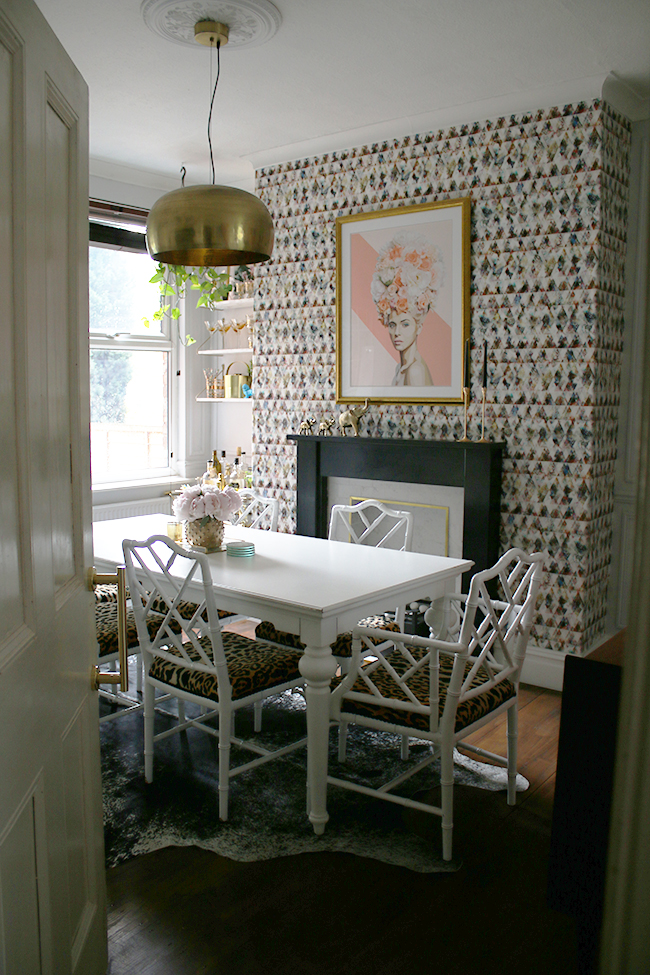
339, 73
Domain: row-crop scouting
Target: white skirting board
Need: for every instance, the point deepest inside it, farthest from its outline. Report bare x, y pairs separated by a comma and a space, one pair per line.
543, 668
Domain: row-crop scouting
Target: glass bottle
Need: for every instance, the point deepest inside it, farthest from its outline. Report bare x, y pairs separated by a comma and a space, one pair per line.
216, 467
225, 470
235, 477
213, 472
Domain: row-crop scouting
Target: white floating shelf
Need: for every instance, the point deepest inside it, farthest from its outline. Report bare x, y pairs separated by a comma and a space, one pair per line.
231, 304
224, 399
245, 351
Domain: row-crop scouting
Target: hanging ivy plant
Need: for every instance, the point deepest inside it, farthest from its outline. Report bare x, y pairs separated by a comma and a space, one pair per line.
173, 283
243, 273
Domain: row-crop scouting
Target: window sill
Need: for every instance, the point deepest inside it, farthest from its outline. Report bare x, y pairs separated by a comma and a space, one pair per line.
121, 492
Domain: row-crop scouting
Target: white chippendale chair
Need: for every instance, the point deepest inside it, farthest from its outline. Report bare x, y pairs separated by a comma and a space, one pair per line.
106, 630
371, 523
257, 511
368, 522
194, 660
441, 691
107, 633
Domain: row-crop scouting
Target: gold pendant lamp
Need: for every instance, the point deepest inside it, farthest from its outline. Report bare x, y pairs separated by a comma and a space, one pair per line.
209, 225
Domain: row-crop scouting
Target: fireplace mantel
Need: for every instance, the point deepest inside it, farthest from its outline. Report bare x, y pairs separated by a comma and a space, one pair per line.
475, 467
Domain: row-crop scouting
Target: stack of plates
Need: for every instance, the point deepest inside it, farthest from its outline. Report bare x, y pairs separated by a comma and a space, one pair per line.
240, 549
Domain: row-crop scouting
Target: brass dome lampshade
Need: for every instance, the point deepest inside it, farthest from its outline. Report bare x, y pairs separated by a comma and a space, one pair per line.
209, 225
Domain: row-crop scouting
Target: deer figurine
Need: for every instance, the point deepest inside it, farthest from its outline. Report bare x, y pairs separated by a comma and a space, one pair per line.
350, 418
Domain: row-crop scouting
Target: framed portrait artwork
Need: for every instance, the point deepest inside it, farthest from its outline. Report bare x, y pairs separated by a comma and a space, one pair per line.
402, 304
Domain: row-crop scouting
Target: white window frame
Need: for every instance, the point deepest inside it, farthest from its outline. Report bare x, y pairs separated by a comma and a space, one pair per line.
158, 481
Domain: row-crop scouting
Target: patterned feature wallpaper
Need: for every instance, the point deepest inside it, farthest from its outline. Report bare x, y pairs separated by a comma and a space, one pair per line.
549, 211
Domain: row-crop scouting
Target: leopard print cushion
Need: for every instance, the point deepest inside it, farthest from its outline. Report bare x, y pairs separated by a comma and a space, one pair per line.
252, 667
186, 608
106, 593
106, 628
468, 711
267, 631
342, 646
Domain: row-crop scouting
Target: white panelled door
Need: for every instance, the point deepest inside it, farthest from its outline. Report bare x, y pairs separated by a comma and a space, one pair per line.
52, 885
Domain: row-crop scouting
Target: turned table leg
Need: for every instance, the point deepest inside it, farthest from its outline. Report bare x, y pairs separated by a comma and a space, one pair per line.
318, 666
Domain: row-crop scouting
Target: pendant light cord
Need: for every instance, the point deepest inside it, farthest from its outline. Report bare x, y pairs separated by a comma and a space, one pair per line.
214, 92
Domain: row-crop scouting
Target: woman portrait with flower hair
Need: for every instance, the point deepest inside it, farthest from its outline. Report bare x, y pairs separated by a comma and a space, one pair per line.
403, 303
408, 276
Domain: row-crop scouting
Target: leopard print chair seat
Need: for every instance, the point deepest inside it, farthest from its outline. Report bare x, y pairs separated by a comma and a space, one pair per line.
186, 608
342, 646
252, 667
107, 593
106, 629
106, 632
469, 711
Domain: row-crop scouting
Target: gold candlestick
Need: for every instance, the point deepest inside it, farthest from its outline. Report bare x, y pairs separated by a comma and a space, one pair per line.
466, 408
483, 395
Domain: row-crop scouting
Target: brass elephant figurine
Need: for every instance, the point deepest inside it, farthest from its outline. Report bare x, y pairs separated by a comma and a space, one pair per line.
351, 417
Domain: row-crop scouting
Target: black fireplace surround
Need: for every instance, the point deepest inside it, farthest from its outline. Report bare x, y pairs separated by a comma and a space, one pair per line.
476, 467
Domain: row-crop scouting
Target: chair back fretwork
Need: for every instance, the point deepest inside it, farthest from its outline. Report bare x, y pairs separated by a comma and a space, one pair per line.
495, 630
160, 574
257, 511
371, 523
489, 648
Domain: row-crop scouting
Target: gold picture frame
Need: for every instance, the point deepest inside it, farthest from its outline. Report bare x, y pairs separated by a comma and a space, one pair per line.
403, 304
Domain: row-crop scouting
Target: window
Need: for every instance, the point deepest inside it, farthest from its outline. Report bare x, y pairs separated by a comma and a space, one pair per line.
129, 363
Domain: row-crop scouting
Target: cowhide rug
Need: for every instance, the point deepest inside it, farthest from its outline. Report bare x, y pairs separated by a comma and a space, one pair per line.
267, 815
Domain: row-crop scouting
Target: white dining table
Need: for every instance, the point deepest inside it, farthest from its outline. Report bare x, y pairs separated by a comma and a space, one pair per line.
309, 586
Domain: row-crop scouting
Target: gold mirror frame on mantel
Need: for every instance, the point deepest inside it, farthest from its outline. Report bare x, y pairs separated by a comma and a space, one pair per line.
403, 304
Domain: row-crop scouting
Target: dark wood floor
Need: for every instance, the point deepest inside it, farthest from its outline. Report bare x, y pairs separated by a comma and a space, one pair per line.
191, 912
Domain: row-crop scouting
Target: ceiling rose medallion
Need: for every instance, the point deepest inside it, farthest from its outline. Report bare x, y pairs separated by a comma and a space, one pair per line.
251, 22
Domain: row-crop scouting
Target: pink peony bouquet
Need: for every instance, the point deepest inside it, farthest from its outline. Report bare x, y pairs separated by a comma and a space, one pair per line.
200, 502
